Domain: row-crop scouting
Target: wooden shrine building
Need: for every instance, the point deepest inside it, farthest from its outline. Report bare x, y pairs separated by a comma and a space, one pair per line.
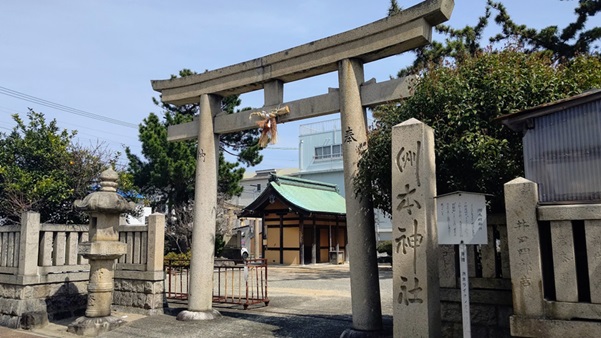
303, 221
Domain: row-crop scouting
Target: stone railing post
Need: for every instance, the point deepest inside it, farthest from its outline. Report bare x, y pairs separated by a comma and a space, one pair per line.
521, 199
156, 242
28, 244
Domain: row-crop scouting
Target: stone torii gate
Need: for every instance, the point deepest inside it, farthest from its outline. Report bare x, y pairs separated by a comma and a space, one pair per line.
345, 53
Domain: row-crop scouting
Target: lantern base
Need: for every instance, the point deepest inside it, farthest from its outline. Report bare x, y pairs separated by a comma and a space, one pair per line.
94, 326
198, 315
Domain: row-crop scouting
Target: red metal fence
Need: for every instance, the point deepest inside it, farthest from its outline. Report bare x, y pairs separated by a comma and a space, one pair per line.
177, 274
244, 284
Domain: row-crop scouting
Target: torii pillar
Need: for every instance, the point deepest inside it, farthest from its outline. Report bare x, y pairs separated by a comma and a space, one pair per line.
200, 288
365, 287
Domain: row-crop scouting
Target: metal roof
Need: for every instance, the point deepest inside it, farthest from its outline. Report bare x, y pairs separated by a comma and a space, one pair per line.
305, 196
517, 121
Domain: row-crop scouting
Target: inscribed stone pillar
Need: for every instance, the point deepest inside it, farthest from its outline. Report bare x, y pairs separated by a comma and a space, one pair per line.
200, 299
365, 287
521, 199
416, 290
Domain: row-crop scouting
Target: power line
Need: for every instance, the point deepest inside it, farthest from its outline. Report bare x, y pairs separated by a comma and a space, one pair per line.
83, 130
105, 141
79, 131
50, 104
78, 136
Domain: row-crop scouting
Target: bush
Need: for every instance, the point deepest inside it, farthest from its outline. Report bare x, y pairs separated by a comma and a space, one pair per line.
385, 246
459, 100
219, 244
178, 259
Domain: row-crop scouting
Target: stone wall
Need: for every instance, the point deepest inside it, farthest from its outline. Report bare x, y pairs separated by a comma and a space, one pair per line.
30, 306
491, 302
139, 296
489, 313
139, 276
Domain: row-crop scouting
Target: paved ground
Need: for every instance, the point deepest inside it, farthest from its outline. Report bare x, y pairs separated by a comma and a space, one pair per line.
308, 301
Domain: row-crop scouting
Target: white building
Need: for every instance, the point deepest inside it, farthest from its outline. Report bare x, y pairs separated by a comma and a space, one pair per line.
320, 159
254, 183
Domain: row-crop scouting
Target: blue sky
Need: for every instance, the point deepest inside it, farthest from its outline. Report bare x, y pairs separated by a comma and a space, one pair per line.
99, 56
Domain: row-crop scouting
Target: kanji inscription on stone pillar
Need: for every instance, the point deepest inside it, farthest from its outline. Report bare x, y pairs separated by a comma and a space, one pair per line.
415, 243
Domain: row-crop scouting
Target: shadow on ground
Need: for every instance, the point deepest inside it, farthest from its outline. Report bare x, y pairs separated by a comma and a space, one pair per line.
240, 323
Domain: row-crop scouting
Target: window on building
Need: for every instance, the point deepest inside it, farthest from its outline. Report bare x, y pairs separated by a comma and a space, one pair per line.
327, 152
337, 150
319, 153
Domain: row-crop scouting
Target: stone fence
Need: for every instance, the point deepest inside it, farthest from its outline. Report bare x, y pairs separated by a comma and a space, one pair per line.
555, 253
42, 276
552, 288
490, 284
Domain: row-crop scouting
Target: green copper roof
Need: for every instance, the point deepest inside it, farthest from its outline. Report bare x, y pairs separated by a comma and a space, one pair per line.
309, 196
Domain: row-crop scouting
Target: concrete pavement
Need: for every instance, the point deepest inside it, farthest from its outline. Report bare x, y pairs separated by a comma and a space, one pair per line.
307, 301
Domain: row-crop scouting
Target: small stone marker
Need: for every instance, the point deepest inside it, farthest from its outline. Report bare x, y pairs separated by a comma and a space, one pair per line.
461, 219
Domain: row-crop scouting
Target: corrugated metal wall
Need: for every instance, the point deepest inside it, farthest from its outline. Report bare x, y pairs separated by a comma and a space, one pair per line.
562, 153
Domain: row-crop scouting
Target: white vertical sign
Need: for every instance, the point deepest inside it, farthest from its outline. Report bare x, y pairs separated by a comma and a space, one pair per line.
461, 220
465, 291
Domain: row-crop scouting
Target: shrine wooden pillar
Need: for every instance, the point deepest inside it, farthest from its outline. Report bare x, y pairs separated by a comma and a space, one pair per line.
301, 239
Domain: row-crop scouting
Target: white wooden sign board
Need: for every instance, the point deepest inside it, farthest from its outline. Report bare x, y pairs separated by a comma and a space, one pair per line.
461, 218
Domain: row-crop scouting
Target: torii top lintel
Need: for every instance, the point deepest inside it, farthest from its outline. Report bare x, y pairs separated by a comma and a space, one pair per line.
392, 35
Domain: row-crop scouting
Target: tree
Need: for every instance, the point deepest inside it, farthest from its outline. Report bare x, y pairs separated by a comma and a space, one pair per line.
458, 44
459, 100
394, 8
463, 86
573, 40
42, 170
168, 172
566, 43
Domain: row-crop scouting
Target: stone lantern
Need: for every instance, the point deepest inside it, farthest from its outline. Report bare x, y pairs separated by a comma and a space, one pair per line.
104, 207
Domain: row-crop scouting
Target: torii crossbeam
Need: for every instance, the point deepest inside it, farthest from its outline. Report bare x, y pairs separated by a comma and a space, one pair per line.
346, 53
